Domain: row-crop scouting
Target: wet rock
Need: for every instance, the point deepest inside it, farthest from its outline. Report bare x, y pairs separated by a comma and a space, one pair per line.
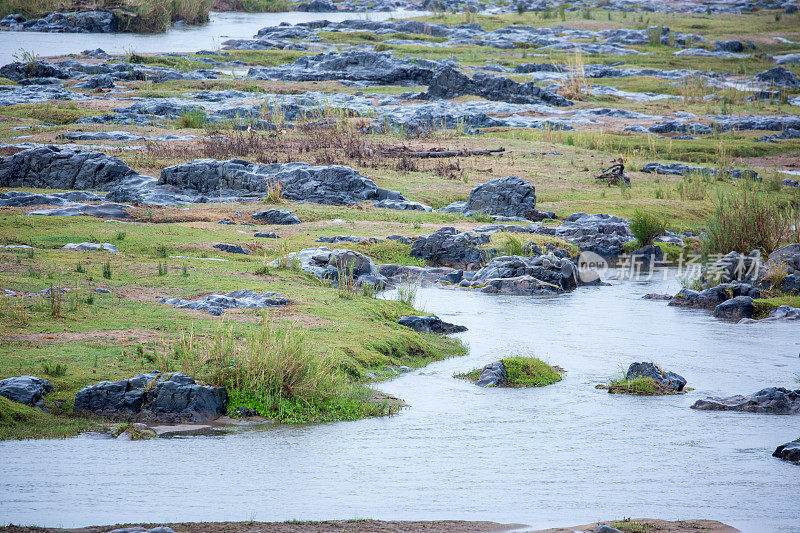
772, 400
788, 452
329, 265
215, 304
154, 396
29, 390
646, 257
602, 234
735, 309
450, 83
100, 211
91, 246
712, 297
276, 216
373, 67
449, 247
430, 324
518, 275
510, 196
493, 375
62, 168
231, 248
779, 76
667, 380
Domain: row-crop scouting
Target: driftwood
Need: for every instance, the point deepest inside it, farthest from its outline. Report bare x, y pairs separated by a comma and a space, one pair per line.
615, 175
450, 153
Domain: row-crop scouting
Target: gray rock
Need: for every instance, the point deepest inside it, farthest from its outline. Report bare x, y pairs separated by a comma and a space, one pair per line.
646, 257
606, 529
789, 452
101, 81
154, 396
510, 196
276, 216
430, 324
76, 22
346, 238
778, 76
29, 390
517, 275
449, 247
217, 303
91, 246
735, 309
266, 235
318, 6
423, 275
231, 248
667, 380
19, 71
714, 296
101, 211
329, 265
19, 199
602, 234
772, 400
493, 375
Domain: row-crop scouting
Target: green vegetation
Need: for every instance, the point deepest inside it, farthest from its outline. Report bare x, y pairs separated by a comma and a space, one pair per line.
762, 306
630, 526
646, 227
18, 421
523, 372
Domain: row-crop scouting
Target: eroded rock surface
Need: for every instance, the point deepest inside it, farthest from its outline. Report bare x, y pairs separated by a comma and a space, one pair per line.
772, 400
216, 304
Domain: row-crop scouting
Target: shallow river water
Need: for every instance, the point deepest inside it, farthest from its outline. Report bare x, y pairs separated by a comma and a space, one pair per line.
559, 455
222, 26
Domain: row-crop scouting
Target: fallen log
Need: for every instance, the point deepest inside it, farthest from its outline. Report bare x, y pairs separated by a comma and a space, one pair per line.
448, 153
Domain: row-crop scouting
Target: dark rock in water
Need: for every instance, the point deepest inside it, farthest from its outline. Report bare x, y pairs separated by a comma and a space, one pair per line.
517, 275
772, 400
100, 211
231, 248
789, 452
430, 324
216, 304
493, 375
779, 76
510, 196
327, 264
74, 22
450, 83
653, 296
266, 235
41, 69
154, 396
318, 6
646, 257
667, 380
373, 67
735, 309
712, 297
449, 247
602, 234
276, 216
29, 390
62, 168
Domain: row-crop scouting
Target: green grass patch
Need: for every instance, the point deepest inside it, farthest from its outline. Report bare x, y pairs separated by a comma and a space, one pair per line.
18, 421
762, 306
523, 372
59, 114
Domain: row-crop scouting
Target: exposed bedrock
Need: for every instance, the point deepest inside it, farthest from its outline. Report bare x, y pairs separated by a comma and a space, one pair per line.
772, 400
680, 169
154, 396
602, 234
216, 304
779, 76
449, 83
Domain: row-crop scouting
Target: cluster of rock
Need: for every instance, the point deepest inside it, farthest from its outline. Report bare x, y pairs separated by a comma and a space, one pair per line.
331, 265
518, 275
78, 22
773, 400
602, 234
680, 169
430, 324
215, 304
154, 397
451, 248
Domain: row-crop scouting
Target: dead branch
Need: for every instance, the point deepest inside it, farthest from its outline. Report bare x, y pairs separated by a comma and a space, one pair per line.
448, 153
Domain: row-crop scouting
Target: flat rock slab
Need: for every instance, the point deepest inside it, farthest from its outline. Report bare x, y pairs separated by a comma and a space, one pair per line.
91, 246
100, 211
772, 400
216, 304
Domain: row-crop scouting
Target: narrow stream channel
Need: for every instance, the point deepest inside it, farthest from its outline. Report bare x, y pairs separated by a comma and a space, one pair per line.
560, 455
221, 27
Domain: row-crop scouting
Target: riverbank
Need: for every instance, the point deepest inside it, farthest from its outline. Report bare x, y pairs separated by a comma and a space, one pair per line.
639, 525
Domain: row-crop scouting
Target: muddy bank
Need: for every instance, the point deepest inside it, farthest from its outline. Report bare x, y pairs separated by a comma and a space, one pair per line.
381, 526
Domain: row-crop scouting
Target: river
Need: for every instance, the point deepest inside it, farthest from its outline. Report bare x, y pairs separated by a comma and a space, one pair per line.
221, 27
559, 455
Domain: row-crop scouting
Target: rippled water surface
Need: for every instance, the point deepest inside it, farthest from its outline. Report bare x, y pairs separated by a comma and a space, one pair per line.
564, 454
223, 26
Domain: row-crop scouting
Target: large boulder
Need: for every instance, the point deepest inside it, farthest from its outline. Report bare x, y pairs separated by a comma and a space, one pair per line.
155, 397
451, 248
667, 380
773, 400
449, 83
789, 452
510, 196
780, 76
29, 390
62, 168
712, 297
735, 309
787, 261
216, 303
602, 234
430, 324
